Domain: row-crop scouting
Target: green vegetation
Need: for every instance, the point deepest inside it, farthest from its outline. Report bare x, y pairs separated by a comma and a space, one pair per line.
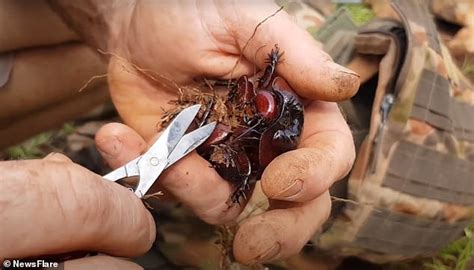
457, 255
360, 13
30, 148
468, 66
35, 147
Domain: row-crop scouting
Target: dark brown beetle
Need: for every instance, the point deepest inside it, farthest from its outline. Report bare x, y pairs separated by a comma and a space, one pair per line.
271, 124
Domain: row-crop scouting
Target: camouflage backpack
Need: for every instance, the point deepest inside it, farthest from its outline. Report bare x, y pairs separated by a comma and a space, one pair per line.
411, 190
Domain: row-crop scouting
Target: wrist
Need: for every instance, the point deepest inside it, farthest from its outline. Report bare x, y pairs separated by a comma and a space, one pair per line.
99, 23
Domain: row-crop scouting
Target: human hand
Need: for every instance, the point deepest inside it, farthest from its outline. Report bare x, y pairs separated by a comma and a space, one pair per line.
185, 40
53, 206
278, 233
36, 44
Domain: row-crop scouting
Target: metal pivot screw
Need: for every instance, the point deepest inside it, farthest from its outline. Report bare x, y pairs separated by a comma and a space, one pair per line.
154, 161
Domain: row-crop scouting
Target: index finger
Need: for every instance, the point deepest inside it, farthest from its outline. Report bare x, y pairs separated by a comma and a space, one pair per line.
191, 180
72, 209
308, 69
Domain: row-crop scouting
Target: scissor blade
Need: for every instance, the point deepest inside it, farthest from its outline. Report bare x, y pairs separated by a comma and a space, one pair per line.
155, 160
128, 170
190, 141
163, 147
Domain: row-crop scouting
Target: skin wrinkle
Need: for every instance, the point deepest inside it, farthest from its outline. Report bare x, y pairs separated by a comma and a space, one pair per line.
40, 194
324, 132
223, 209
104, 210
202, 208
228, 28
85, 214
130, 215
322, 75
60, 200
133, 218
266, 253
248, 24
265, 229
229, 25
32, 191
116, 204
292, 244
295, 214
60, 203
329, 153
117, 215
176, 179
348, 160
123, 33
86, 210
8, 195
205, 26
244, 67
294, 169
119, 203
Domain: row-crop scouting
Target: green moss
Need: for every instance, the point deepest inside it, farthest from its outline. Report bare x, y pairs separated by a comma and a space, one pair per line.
360, 13
457, 255
30, 148
68, 128
35, 146
468, 66
313, 30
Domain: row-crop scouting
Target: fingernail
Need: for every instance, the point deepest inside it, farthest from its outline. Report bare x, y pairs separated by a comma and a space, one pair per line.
292, 190
110, 147
344, 70
269, 254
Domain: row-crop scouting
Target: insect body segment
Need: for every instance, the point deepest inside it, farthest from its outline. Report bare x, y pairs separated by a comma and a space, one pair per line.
271, 123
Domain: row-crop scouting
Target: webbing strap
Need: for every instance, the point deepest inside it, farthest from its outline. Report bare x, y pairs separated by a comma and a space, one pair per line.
423, 172
434, 105
406, 235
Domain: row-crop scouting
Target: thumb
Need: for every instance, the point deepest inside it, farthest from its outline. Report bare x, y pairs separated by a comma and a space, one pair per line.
307, 68
118, 144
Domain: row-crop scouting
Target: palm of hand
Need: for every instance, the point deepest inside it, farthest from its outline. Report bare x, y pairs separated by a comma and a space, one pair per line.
195, 40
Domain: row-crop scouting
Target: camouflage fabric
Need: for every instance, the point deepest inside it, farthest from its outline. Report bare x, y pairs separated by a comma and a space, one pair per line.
305, 16
411, 188
460, 13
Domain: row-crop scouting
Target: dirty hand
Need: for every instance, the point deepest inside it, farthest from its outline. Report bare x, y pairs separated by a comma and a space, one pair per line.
53, 206
180, 41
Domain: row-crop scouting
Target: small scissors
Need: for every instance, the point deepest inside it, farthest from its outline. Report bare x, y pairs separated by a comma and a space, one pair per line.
170, 147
